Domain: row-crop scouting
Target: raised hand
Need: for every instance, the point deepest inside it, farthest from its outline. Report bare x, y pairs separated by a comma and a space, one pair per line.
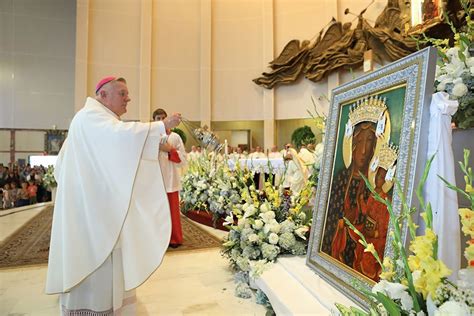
172, 120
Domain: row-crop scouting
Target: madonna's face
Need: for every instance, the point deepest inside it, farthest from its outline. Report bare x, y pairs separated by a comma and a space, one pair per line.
363, 145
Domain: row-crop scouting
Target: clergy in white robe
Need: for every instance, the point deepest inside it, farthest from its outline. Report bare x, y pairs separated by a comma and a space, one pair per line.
172, 159
111, 223
296, 173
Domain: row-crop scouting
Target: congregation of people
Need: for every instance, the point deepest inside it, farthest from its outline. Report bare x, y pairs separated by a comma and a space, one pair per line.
22, 185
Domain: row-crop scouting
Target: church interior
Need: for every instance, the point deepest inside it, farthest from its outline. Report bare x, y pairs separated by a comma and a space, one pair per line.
249, 157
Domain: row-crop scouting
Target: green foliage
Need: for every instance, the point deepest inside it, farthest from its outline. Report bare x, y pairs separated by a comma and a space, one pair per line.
181, 134
302, 136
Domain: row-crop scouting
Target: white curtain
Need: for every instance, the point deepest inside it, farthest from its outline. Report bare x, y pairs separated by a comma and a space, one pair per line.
444, 201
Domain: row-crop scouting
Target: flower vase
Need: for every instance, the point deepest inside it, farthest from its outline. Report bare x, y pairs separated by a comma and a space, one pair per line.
466, 278
431, 307
53, 194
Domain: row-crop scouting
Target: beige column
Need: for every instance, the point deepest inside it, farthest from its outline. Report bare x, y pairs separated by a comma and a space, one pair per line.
82, 41
205, 101
334, 78
269, 135
144, 92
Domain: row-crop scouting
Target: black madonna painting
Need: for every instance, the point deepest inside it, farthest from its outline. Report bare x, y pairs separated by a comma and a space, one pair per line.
376, 130
367, 145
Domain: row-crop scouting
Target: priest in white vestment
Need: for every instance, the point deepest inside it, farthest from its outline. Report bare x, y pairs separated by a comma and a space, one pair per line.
111, 224
296, 173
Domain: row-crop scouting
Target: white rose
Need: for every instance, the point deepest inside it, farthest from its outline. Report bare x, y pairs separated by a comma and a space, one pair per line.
258, 224
273, 238
457, 80
459, 89
267, 216
452, 52
264, 208
470, 62
250, 211
300, 232
253, 238
242, 222
275, 227
452, 308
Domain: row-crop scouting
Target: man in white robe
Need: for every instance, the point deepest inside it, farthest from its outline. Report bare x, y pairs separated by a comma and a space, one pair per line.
296, 173
111, 224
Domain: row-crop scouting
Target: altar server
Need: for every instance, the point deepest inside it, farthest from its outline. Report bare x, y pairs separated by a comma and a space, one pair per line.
111, 223
172, 158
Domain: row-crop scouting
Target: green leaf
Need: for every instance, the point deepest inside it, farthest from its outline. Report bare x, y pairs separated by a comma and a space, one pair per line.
391, 307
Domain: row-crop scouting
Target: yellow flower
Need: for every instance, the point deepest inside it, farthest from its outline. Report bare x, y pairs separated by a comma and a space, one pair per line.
422, 246
388, 272
469, 188
469, 252
467, 220
413, 263
428, 278
370, 248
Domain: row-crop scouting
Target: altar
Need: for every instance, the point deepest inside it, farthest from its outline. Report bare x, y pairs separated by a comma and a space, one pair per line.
293, 288
274, 166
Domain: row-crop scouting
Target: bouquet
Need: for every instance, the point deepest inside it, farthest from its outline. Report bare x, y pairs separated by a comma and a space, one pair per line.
419, 286
455, 68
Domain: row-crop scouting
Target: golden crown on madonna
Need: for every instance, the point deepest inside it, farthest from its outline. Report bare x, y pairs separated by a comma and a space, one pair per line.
368, 110
387, 155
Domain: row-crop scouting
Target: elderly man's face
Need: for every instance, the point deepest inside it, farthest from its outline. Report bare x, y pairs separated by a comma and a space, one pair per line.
117, 98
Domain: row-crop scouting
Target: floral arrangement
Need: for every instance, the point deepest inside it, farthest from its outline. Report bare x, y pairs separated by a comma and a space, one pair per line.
269, 223
320, 123
419, 286
209, 185
455, 69
48, 178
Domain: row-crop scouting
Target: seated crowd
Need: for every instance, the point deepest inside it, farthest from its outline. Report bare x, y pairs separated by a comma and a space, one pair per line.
22, 185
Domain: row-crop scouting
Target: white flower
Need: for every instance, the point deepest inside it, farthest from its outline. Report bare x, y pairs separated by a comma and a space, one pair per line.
395, 291
459, 89
264, 208
251, 210
452, 52
242, 222
452, 308
470, 62
300, 232
258, 267
267, 216
273, 226
273, 238
258, 224
472, 70
229, 220
253, 238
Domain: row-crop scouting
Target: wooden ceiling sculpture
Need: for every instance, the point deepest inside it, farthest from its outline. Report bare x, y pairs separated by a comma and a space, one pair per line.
343, 47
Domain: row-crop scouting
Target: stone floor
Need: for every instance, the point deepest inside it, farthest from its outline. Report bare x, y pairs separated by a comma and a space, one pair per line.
188, 283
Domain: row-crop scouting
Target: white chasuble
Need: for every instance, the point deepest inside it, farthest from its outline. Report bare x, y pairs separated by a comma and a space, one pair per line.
110, 195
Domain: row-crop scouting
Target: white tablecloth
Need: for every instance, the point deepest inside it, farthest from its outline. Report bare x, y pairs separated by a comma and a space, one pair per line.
260, 165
